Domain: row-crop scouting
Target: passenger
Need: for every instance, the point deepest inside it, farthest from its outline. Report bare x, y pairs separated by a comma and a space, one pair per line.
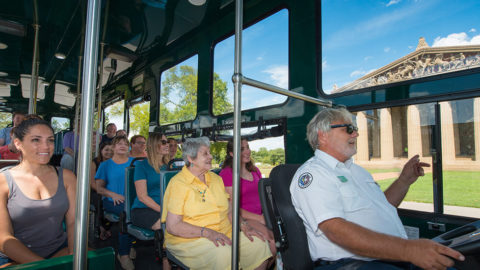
250, 207
137, 143
146, 208
105, 153
35, 199
197, 213
349, 221
111, 133
121, 132
70, 144
110, 179
173, 147
18, 117
9, 151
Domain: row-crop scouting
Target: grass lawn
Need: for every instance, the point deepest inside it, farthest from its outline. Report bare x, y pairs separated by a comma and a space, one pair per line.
460, 188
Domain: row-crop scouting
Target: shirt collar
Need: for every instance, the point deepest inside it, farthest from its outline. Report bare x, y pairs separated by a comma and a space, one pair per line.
331, 161
188, 177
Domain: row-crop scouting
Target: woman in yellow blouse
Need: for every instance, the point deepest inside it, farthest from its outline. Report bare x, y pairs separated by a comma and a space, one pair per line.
197, 213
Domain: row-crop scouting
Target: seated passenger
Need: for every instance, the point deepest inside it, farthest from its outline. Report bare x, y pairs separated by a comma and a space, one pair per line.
9, 151
146, 208
17, 118
105, 152
250, 207
198, 217
350, 222
173, 147
35, 199
110, 180
137, 144
70, 144
111, 133
121, 132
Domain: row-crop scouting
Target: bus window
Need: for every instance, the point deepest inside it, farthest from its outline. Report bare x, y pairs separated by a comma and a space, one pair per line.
60, 123
460, 156
388, 42
264, 58
114, 114
178, 100
5, 119
139, 119
388, 137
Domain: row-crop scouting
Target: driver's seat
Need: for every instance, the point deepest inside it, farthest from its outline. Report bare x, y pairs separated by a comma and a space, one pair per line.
287, 226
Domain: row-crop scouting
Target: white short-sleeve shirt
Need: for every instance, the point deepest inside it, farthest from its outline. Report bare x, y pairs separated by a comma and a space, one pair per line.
324, 188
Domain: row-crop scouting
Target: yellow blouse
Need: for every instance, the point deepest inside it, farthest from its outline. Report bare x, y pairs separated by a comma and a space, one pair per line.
204, 205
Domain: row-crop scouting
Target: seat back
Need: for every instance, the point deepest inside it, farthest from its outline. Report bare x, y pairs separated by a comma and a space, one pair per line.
130, 191
97, 259
295, 253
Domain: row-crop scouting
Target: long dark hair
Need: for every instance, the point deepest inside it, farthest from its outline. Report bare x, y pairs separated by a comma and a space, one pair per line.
23, 128
228, 162
100, 157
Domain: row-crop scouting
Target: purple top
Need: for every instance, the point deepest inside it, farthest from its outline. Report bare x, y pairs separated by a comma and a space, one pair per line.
68, 140
249, 198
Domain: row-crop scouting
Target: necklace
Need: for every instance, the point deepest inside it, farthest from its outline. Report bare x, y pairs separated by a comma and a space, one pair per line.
202, 193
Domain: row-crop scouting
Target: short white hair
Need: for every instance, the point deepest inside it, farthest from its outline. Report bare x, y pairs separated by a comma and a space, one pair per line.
191, 146
322, 121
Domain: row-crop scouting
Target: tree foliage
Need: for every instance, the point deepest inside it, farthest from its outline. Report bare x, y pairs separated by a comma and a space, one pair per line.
178, 100
5, 119
139, 119
273, 157
57, 126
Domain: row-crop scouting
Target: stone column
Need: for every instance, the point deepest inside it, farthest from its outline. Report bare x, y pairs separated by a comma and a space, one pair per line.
362, 140
414, 133
386, 136
448, 136
476, 127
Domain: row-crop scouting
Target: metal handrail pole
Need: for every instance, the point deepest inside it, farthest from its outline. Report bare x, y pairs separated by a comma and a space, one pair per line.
278, 90
34, 76
88, 95
237, 113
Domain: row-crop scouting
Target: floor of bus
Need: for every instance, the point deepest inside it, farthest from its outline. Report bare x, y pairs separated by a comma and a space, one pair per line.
145, 250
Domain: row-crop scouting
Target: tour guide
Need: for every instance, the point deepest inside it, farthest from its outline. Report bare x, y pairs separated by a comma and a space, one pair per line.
349, 221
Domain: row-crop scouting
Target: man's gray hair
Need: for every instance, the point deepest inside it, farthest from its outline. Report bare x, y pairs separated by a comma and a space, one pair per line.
322, 121
190, 147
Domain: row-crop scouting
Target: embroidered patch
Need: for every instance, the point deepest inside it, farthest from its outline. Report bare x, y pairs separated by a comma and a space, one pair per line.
305, 180
342, 179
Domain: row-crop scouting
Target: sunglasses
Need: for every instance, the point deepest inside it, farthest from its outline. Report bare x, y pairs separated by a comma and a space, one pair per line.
350, 128
163, 142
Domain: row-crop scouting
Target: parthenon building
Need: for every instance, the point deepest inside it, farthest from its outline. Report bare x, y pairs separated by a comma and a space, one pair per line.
387, 137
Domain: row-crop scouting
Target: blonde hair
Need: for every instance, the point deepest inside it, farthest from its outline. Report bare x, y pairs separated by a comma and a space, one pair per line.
155, 158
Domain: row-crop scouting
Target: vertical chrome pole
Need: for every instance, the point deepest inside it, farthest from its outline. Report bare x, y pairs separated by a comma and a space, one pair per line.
88, 95
237, 113
99, 100
34, 76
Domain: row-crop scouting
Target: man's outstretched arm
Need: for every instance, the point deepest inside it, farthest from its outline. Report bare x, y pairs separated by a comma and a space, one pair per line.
424, 253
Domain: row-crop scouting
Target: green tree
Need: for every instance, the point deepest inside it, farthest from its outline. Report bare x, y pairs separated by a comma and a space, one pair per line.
139, 119
178, 100
5, 119
218, 151
57, 126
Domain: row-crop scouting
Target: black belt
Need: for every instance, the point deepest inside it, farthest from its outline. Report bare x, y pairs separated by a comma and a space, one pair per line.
321, 262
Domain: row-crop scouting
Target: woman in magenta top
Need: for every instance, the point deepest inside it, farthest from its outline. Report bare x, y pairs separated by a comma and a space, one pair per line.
250, 207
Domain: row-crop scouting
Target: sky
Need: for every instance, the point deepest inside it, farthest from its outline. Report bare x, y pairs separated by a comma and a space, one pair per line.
361, 36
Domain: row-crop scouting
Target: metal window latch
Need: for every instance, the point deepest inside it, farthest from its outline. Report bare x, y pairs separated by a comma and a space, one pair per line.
433, 226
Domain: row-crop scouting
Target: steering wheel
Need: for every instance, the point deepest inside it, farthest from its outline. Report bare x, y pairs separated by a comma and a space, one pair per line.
465, 239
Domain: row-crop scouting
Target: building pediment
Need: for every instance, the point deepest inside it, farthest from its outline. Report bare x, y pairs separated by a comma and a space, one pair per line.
423, 62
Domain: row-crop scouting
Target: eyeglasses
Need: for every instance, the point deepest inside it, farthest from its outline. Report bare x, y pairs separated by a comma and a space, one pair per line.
163, 142
350, 128
139, 142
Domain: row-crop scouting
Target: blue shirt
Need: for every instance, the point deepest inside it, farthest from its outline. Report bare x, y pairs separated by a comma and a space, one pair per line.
114, 175
143, 171
5, 134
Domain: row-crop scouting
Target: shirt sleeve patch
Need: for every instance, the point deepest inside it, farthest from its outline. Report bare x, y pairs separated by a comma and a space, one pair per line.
305, 180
